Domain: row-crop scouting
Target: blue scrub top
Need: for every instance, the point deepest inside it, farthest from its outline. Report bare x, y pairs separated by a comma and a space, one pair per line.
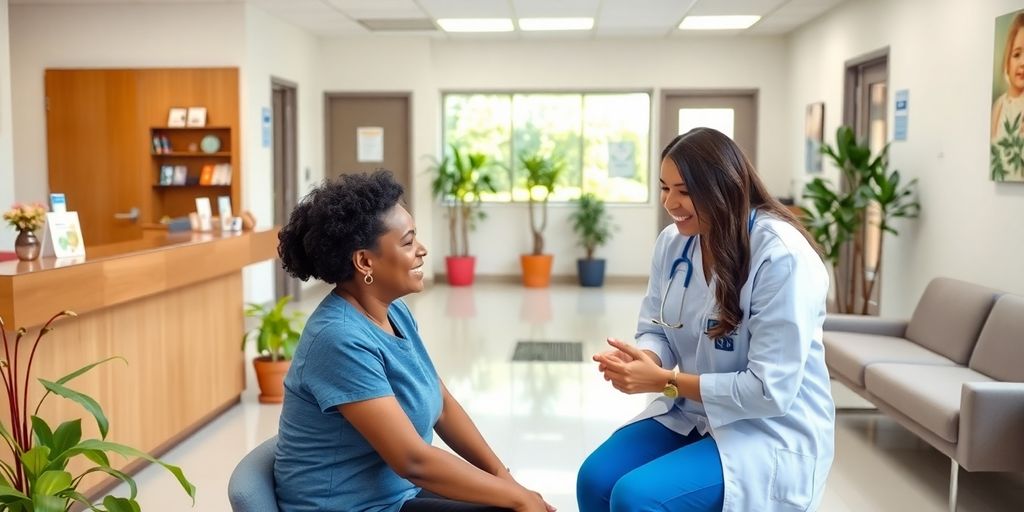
323, 462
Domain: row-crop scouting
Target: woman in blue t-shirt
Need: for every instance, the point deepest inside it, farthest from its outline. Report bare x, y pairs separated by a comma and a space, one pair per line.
362, 398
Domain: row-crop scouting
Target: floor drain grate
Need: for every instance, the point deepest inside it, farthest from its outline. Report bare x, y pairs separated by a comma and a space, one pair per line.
561, 351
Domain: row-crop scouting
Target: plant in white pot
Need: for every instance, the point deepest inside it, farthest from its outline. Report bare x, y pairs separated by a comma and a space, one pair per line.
592, 227
542, 172
276, 339
459, 180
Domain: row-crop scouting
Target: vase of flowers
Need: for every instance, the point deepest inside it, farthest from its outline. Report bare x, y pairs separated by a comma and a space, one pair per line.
26, 218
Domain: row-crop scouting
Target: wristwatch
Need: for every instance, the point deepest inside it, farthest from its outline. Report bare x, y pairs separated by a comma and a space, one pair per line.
671, 390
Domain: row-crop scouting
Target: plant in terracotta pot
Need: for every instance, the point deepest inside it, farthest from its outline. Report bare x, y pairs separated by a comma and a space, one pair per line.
276, 339
459, 180
542, 172
36, 476
26, 218
591, 224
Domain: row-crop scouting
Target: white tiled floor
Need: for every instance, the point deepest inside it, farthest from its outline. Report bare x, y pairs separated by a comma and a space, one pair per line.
543, 418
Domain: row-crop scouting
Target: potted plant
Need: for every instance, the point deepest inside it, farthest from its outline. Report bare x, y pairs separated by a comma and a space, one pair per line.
458, 182
26, 218
37, 476
836, 217
276, 339
541, 175
590, 222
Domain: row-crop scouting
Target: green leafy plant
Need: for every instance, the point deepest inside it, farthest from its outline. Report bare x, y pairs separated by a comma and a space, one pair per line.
38, 479
460, 179
276, 337
542, 172
837, 217
591, 224
1008, 151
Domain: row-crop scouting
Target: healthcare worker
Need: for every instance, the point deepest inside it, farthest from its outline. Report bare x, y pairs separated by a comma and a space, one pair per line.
730, 333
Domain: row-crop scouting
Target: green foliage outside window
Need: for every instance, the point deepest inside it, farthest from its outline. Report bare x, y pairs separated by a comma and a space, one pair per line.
602, 139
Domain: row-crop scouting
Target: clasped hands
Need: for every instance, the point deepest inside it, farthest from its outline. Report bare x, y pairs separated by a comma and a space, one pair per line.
631, 370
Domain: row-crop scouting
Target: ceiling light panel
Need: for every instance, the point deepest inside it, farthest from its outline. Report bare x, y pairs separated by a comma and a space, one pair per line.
475, 24
538, 24
732, 22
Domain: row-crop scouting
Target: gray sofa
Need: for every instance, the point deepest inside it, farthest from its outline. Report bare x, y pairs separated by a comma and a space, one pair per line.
953, 374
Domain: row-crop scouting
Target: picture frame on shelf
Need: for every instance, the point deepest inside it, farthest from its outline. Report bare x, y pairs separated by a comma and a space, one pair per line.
196, 117
177, 117
180, 175
166, 175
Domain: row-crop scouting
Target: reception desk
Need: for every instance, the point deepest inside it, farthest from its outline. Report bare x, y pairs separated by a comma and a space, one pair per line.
170, 305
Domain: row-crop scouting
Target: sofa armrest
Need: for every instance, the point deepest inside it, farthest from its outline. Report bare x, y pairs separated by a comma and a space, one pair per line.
991, 423
895, 327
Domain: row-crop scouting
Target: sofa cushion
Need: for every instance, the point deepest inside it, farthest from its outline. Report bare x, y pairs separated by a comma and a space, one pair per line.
949, 316
1000, 349
929, 395
847, 353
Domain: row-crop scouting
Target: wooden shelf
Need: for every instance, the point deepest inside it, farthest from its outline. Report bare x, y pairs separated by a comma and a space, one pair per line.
190, 154
159, 128
193, 185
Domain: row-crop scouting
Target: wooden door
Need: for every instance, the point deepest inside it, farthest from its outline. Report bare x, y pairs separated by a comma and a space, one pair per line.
92, 141
346, 113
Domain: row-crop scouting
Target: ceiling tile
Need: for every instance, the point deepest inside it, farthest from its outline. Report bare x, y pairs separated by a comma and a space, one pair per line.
467, 8
553, 9
655, 15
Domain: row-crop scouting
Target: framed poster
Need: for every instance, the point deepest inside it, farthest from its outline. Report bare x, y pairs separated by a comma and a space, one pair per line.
1006, 150
814, 132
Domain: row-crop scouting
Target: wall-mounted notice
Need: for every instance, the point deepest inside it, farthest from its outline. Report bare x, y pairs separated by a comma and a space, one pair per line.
369, 144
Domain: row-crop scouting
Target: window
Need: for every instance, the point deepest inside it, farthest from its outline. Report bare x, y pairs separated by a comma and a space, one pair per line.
602, 138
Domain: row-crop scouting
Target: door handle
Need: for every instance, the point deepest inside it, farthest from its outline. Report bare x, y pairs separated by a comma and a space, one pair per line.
132, 215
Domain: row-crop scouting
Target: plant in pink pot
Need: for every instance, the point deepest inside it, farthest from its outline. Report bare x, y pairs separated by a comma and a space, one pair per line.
459, 180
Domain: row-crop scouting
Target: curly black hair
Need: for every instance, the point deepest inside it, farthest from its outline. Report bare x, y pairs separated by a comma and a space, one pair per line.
335, 220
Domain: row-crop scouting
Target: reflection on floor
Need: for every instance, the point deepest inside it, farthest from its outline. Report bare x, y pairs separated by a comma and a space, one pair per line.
543, 418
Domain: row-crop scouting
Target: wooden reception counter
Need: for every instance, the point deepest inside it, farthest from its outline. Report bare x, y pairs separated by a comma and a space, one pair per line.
170, 304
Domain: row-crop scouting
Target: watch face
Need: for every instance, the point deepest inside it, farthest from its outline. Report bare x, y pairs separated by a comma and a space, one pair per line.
670, 391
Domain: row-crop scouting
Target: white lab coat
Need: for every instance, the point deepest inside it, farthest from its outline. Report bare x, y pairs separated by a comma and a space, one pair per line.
767, 401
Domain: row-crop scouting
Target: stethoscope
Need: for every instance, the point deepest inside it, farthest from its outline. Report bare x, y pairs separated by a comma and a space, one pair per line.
685, 259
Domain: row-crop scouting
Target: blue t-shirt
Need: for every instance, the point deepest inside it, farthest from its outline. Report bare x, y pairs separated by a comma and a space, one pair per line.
323, 463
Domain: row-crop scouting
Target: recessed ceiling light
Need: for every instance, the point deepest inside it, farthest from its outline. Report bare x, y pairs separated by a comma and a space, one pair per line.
530, 24
718, 22
475, 24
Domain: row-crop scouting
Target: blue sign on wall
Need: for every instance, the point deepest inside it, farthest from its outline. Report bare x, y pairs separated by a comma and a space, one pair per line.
901, 114
265, 125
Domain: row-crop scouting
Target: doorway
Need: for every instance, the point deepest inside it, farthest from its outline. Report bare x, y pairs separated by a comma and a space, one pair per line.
369, 131
285, 137
732, 112
866, 95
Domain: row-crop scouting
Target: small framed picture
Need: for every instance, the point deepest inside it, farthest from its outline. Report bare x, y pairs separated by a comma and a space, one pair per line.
197, 116
177, 116
166, 175
180, 175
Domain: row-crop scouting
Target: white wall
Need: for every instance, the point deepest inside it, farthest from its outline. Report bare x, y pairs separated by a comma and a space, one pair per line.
941, 51
6, 129
280, 50
428, 67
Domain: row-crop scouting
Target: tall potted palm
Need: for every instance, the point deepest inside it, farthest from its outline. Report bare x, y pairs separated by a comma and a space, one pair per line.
592, 227
276, 339
837, 216
542, 172
459, 180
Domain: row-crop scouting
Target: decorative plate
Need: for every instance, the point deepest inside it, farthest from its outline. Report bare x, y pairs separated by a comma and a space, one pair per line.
210, 144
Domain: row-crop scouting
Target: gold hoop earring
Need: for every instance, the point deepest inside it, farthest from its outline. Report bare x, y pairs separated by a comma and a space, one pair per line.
368, 278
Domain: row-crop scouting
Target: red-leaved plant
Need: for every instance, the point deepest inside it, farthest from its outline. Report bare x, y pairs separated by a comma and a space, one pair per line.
38, 480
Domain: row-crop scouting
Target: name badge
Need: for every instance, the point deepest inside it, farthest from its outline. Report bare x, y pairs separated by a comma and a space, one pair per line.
724, 343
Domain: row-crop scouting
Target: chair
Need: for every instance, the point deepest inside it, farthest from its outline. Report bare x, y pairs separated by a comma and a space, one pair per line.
251, 488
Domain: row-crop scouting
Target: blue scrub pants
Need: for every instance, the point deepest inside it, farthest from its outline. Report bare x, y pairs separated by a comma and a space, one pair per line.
645, 466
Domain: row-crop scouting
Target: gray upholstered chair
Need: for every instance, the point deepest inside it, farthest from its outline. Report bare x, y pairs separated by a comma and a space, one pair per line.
251, 488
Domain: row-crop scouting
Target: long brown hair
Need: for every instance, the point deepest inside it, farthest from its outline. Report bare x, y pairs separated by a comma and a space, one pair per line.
724, 188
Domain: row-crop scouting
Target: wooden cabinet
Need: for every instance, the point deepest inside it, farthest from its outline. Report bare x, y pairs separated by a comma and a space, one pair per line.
100, 128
